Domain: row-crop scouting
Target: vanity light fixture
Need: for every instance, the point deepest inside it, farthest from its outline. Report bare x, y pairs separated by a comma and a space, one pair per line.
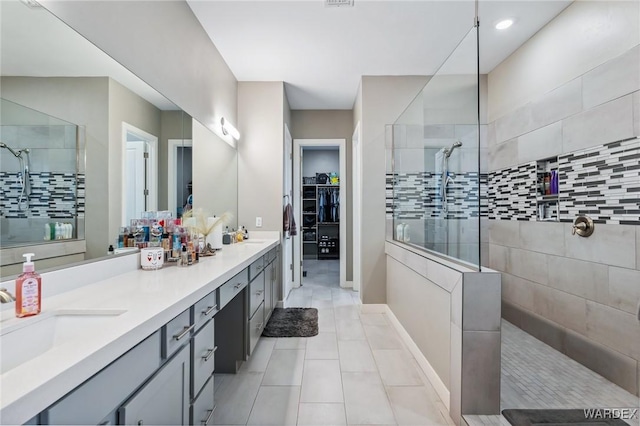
228, 129
504, 24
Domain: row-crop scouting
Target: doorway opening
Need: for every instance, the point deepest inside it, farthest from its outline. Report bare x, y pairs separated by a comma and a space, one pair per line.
140, 171
179, 175
319, 208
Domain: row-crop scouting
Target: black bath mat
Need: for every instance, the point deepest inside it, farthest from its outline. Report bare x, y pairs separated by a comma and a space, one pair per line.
292, 322
560, 418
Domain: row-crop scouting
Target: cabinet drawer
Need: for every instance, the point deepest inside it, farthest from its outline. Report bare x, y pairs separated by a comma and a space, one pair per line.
204, 405
256, 267
232, 287
256, 293
205, 309
176, 334
92, 401
164, 399
256, 324
202, 356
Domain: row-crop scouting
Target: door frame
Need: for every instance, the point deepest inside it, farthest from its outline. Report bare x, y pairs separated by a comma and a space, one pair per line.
356, 199
172, 154
152, 169
298, 144
287, 260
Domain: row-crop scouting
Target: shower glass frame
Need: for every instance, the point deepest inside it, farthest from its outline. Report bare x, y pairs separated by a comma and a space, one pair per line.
437, 185
57, 152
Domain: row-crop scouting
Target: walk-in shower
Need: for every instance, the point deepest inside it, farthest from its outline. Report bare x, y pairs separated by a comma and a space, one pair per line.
23, 177
41, 183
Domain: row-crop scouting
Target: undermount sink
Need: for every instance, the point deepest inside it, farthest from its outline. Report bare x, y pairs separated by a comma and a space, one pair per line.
27, 338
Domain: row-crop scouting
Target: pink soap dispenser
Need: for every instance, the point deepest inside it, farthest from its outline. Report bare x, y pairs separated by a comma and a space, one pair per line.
28, 290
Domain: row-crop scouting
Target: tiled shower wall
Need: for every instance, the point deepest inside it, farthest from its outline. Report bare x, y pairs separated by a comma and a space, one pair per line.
577, 294
57, 190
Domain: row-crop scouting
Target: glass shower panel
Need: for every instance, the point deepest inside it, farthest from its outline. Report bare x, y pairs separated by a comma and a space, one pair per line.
436, 177
42, 185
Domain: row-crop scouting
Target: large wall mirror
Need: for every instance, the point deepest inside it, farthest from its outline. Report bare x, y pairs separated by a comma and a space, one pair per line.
85, 145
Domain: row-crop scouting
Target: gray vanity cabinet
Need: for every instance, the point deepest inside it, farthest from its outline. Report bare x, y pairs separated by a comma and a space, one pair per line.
163, 400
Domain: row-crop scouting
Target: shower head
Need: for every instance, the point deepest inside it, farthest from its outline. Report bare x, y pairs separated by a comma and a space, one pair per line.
16, 154
448, 151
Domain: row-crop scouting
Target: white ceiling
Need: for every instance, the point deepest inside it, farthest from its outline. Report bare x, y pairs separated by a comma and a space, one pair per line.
35, 43
321, 52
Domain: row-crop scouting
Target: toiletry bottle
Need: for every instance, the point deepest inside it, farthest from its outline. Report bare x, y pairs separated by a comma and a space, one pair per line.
184, 256
240, 235
47, 232
111, 250
28, 289
246, 234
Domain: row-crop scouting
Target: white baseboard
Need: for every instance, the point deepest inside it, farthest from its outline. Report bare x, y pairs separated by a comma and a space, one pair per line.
428, 370
347, 284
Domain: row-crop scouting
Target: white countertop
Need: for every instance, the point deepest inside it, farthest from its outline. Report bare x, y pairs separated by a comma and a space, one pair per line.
150, 298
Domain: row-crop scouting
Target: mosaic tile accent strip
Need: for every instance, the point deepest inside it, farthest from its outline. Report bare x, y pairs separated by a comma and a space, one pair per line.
602, 182
512, 193
417, 196
53, 195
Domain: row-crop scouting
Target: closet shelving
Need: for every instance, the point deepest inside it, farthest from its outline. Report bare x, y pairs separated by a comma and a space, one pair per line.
320, 221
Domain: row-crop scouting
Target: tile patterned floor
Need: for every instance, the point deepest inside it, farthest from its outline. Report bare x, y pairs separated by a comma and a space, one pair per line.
356, 371
534, 375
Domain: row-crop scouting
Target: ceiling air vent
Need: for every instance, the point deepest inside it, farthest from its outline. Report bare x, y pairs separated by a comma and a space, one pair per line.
338, 3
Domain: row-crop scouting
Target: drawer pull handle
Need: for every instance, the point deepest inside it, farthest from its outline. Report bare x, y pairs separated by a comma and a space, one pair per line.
208, 419
237, 286
211, 309
184, 332
259, 326
211, 352
259, 292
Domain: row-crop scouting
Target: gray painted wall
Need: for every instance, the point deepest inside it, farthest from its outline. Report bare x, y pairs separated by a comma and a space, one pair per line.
330, 124
261, 113
382, 101
577, 294
320, 161
164, 44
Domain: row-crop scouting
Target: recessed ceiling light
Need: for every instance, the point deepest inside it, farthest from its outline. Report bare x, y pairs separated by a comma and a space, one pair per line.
503, 25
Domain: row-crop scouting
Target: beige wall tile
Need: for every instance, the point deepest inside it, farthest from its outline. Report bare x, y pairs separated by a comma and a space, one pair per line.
504, 232
498, 256
503, 155
609, 244
614, 328
638, 242
559, 103
543, 237
624, 289
514, 124
527, 264
541, 143
636, 114
605, 123
615, 78
517, 290
481, 372
580, 278
563, 308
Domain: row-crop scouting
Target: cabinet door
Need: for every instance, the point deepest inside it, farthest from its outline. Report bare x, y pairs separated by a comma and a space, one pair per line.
268, 297
275, 282
164, 399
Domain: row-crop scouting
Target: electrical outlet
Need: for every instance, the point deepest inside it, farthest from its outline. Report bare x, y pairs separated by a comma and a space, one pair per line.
258, 222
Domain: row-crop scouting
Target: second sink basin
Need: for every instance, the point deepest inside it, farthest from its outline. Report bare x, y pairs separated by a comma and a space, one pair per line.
28, 338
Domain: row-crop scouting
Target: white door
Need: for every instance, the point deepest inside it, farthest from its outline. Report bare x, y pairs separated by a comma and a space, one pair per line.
287, 245
136, 178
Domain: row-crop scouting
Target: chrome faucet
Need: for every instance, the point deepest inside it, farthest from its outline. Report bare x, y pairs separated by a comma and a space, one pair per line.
5, 296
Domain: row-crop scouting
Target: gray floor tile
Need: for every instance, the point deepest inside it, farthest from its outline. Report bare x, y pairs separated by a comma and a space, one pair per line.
321, 381
322, 346
412, 406
311, 414
396, 368
356, 356
276, 405
285, 368
235, 400
365, 399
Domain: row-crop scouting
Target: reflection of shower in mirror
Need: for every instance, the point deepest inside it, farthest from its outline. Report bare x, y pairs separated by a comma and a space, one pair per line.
23, 176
